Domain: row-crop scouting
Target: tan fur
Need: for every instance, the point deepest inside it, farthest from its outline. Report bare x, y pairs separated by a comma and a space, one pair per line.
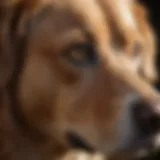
136, 32
54, 96
148, 61
108, 55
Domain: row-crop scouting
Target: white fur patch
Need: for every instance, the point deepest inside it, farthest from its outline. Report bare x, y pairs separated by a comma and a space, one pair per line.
126, 14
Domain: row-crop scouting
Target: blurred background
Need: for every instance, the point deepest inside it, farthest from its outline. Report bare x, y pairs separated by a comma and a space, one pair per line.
154, 12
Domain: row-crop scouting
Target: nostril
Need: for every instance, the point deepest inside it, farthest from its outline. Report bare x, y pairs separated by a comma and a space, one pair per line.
77, 142
146, 119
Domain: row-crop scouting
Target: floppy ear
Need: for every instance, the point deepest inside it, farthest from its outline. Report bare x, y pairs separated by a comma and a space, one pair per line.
6, 56
27, 4
10, 11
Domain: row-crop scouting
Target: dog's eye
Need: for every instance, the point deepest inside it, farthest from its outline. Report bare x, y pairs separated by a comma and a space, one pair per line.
81, 55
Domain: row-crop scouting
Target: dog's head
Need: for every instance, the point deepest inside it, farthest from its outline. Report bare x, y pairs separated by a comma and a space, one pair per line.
63, 88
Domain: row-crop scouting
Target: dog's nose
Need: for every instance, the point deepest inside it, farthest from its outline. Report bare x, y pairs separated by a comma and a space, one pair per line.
146, 118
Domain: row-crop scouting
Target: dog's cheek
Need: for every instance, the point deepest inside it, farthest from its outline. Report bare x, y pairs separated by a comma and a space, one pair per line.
37, 92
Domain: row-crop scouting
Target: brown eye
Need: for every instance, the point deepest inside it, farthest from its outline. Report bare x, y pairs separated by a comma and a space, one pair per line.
81, 55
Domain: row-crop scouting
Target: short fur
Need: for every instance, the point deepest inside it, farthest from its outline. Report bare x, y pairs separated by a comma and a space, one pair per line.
44, 96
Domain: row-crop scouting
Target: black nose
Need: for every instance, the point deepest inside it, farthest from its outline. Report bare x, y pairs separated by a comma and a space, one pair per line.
146, 118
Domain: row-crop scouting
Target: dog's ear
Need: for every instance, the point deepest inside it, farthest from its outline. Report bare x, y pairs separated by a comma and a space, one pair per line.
27, 4
10, 11
6, 57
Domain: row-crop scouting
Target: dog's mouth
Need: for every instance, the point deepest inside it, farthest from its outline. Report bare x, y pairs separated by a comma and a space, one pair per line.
78, 142
142, 147
145, 143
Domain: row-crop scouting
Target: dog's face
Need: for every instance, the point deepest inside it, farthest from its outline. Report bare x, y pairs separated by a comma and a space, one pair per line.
64, 90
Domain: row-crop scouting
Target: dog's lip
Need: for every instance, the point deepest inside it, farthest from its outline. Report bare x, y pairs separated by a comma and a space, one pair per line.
78, 142
140, 147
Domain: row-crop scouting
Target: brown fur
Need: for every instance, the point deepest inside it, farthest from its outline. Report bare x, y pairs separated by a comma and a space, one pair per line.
43, 96
135, 42
148, 64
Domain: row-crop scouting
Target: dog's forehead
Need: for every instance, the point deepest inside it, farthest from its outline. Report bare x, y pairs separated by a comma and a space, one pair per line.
70, 14
58, 26
61, 12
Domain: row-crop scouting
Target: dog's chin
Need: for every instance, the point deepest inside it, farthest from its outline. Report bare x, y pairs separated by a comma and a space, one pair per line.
139, 148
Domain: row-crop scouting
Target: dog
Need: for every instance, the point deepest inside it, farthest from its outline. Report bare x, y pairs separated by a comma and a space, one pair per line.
63, 85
